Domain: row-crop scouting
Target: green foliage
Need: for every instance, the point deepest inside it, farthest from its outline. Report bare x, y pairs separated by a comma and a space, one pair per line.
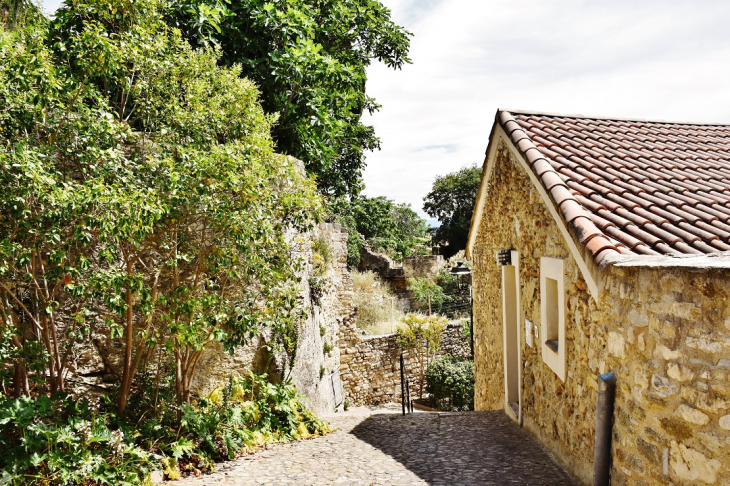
465, 329
62, 441
422, 334
450, 381
65, 441
451, 201
426, 292
309, 58
322, 330
142, 191
326, 348
321, 256
388, 227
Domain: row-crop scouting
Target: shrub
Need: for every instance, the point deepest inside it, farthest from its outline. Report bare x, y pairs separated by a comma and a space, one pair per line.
422, 334
62, 441
65, 441
450, 381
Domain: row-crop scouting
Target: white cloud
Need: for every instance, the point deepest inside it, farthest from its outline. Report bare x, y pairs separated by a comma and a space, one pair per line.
651, 59
50, 6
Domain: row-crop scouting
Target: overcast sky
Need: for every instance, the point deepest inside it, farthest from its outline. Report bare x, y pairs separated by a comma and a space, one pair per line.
653, 59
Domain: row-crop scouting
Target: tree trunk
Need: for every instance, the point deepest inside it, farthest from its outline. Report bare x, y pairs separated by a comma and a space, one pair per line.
20, 381
128, 343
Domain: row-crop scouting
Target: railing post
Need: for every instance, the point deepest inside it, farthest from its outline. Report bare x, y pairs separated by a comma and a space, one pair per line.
604, 426
402, 385
408, 397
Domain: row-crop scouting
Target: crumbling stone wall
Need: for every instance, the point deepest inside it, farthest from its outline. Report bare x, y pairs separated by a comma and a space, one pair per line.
425, 266
370, 365
386, 269
664, 331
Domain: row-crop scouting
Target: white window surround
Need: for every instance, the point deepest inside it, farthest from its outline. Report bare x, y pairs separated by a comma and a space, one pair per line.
552, 314
512, 351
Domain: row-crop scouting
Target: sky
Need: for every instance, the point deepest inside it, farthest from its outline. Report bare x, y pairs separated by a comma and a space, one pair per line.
666, 60
650, 59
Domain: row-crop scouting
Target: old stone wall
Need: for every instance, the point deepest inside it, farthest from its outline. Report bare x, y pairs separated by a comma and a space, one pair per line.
370, 365
386, 269
425, 266
668, 342
664, 331
315, 372
561, 415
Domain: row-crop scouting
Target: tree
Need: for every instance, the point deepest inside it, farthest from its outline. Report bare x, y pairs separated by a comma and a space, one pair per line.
451, 201
387, 226
308, 58
143, 195
422, 334
426, 292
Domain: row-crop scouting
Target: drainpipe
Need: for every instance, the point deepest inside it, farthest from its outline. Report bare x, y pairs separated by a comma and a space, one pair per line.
604, 426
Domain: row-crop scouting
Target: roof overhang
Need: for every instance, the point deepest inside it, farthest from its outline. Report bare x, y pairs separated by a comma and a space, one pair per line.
498, 134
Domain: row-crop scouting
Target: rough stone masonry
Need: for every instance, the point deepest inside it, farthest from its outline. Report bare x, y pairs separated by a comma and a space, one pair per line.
664, 330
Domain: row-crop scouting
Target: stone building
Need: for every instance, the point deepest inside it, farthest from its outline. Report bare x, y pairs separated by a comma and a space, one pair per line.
602, 245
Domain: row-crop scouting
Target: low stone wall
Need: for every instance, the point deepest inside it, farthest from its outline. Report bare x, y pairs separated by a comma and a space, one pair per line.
370, 365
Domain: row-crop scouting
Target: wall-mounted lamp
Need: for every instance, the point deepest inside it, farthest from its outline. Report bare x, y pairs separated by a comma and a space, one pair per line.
504, 257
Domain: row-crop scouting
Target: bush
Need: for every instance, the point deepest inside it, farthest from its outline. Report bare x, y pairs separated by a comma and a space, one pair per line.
450, 381
67, 441
62, 441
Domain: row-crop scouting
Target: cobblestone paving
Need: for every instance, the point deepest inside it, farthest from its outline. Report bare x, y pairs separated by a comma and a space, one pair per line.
478, 448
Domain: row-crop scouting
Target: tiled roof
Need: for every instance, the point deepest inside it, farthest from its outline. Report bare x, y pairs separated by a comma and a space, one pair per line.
632, 187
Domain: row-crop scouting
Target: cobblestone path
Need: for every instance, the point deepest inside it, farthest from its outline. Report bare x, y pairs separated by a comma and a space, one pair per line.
478, 448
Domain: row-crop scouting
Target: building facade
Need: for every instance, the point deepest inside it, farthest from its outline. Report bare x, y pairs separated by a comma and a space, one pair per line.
599, 245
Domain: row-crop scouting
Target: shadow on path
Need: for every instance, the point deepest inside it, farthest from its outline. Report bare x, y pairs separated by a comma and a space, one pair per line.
483, 448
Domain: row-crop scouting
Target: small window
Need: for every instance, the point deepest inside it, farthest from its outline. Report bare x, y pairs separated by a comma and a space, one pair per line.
552, 314
552, 333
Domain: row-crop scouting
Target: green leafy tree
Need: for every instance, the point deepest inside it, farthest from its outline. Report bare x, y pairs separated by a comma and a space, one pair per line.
309, 58
388, 227
143, 196
426, 292
422, 334
451, 201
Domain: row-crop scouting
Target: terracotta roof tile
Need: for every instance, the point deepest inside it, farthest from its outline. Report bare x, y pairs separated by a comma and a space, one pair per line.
627, 186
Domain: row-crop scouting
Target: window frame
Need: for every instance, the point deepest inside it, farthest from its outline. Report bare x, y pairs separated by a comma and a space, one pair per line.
554, 269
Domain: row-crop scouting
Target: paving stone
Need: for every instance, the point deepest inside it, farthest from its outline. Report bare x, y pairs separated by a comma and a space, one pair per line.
474, 448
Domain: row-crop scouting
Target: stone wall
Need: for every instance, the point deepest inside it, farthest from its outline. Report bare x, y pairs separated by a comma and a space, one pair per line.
370, 365
386, 269
664, 330
561, 414
669, 344
425, 266
315, 373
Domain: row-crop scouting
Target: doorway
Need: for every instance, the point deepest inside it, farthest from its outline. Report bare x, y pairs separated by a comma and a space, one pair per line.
511, 332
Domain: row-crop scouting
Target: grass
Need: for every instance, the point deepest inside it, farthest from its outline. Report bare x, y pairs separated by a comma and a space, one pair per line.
378, 308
